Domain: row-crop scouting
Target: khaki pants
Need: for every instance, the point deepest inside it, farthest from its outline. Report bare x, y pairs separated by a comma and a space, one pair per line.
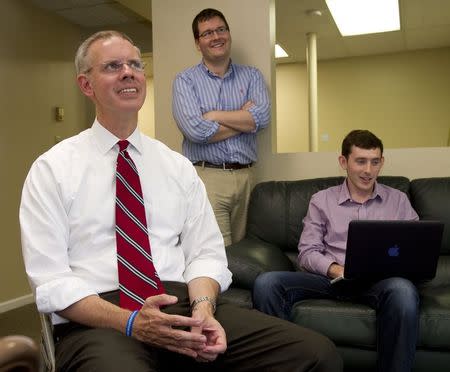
229, 195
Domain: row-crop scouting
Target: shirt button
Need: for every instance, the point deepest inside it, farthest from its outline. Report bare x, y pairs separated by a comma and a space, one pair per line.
43, 301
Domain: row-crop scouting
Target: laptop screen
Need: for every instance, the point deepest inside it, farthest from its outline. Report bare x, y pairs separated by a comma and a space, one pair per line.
381, 249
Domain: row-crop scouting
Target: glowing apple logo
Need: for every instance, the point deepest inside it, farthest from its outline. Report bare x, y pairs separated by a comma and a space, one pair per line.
394, 251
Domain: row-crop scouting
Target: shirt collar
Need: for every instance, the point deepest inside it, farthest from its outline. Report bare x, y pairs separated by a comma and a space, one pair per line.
229, 71
106, 140
344, 194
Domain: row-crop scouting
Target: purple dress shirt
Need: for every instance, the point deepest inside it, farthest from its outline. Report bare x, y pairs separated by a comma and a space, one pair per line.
325, 227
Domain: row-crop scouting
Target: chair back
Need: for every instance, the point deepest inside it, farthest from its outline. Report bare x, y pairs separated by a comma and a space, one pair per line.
47, 343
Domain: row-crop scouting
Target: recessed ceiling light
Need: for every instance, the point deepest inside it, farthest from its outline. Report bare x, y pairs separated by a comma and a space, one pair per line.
280, 52
357, 17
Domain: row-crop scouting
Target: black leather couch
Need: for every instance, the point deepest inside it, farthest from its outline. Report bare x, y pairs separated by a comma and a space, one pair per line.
274, 226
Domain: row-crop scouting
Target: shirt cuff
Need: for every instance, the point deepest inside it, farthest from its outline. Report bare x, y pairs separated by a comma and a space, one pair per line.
209, 269
254, 112
60, 293
212, 130
323, 265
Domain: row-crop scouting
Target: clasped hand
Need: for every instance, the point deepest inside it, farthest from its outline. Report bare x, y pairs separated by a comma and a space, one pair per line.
204, 342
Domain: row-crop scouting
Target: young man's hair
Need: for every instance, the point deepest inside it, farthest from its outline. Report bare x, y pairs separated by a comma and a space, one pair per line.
206, 15
81, 60
362, 139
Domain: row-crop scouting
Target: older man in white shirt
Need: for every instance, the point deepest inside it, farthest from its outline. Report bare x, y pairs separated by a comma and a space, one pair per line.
69, 236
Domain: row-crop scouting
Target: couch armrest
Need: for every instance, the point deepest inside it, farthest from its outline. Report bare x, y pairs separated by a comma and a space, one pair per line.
250, 257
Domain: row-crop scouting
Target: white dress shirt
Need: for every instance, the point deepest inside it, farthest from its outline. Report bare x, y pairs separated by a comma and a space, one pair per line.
67, 218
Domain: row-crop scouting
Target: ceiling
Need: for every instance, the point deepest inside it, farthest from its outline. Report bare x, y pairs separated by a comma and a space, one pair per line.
130, 16
424, 24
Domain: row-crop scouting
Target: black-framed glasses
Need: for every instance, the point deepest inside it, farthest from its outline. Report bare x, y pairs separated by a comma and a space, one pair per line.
209, 33
113, 67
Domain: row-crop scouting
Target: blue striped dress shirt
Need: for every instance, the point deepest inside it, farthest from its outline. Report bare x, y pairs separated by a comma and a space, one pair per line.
197, 91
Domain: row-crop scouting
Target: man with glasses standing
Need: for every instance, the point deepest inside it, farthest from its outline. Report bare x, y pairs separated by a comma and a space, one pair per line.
219, 106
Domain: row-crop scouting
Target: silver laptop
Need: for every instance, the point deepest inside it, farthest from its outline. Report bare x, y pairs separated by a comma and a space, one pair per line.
382, 249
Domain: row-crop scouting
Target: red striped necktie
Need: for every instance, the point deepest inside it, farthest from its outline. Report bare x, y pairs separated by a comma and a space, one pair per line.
138, 278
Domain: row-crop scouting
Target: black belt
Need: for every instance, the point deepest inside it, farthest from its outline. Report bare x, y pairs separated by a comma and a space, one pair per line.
223, 166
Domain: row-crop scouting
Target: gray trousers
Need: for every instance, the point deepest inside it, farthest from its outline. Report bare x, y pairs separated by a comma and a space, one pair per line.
256, 342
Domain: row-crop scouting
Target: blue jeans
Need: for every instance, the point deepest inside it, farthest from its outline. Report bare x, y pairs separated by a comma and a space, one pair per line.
395, 300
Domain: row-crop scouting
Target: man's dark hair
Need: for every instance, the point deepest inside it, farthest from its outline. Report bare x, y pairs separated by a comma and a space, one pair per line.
205, 15
362, 139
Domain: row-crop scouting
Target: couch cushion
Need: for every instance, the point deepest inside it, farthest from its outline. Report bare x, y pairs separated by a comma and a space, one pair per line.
430, 198
343, 322
250, 257
397, 182
435, 308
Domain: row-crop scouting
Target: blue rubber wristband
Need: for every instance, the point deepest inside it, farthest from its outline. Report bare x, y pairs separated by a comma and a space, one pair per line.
129, 328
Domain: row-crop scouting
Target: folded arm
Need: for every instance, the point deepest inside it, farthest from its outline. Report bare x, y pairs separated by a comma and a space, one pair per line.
253, 115
223, 133
189, 117
218, 125
238, 120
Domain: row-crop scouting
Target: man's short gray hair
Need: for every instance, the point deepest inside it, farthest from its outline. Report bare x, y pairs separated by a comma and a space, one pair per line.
81, 60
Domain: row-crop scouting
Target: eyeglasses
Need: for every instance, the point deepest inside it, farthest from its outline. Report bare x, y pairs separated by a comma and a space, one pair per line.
209, 33
113, 67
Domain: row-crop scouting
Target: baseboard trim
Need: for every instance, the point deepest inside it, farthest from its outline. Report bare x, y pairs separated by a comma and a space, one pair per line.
16, 303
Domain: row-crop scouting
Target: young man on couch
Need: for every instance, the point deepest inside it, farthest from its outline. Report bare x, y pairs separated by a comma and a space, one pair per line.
322, 254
